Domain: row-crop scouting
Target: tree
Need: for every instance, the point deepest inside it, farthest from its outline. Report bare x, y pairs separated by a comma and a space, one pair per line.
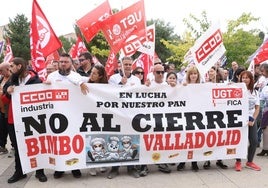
18, 32
66, 43
239, 42
163, 32
179, 46
178, 49
197, 26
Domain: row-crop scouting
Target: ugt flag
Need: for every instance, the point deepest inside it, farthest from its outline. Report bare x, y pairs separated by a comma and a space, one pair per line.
90, 23
127, 24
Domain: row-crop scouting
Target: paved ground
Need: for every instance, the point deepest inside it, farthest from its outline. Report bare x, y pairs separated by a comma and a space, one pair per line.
213, 178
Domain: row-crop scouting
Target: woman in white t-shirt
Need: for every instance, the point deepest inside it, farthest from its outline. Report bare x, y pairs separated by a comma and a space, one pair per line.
254, 108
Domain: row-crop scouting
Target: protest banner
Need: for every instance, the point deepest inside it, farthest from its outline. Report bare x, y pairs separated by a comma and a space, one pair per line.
57, 127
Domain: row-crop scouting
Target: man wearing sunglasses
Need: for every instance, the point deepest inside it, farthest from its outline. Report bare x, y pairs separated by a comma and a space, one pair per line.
158, 73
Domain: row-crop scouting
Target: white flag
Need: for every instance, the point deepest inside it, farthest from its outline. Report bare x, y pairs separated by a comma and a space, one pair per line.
208, 49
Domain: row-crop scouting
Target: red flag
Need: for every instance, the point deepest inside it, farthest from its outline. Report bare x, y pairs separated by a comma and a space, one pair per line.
55, 56
8, 55
111, 64
78, 48
261, 53
142, 44
43, 39
73, 52
90, 23
125, 25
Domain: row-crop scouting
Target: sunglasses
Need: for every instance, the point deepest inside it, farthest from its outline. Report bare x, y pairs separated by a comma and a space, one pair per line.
138, 72
159, 72
81, 60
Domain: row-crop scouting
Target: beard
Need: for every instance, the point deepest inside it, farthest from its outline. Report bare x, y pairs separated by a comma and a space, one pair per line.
65, 72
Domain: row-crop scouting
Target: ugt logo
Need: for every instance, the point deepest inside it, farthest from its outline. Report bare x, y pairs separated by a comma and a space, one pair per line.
227, 93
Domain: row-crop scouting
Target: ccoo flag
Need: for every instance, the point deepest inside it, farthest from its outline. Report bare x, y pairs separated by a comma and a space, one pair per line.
43, 39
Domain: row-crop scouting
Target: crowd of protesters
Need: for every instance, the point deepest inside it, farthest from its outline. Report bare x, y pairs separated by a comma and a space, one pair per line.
83, 70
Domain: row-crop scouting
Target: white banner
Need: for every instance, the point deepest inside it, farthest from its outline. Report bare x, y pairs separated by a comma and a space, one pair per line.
57, 127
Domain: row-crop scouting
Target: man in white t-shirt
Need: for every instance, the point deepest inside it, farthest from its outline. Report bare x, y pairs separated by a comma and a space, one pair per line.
65, 74
158, 74
158, 80
124, 78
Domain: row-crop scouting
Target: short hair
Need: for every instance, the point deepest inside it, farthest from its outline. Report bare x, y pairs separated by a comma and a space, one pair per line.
67, 55
127, 58
87, 55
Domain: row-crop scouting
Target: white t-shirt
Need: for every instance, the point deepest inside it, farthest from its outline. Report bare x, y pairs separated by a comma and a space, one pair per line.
253, 99
153, 83
116, 79
73, 77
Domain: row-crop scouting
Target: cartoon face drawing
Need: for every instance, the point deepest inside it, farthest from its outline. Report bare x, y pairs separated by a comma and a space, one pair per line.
98, 151
113, 148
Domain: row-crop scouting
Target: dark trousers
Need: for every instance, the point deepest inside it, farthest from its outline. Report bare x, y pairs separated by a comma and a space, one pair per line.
3, 130
253, 142
12, 135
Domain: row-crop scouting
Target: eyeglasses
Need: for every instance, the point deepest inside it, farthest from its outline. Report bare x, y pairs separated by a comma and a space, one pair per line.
81, 60
139, 72
160, 72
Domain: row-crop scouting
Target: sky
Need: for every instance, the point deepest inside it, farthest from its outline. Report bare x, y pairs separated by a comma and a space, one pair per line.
62, 14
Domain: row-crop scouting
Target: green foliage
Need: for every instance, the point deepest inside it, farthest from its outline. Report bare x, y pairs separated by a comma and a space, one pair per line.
163, 32
66, 43
179, 49
240, 42
18, 32
99, 47
240, 46
196, 25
